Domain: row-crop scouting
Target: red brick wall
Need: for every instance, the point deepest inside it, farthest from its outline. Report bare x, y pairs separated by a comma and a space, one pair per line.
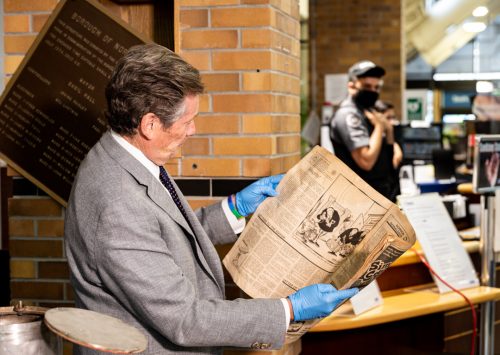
38, 268
248, 54
350, 31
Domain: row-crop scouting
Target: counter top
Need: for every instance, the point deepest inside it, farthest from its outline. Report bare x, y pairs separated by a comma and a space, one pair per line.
405, 303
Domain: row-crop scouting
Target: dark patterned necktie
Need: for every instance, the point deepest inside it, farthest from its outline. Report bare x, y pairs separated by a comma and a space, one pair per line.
165, 180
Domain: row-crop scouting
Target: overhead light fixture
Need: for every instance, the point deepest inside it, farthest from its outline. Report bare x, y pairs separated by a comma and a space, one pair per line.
480, 11
474, 26
466, 76
484, 87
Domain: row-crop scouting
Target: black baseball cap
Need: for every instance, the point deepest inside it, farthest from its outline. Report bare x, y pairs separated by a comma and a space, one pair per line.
364, 69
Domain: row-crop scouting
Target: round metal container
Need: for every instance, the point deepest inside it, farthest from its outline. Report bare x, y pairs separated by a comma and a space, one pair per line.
22, 331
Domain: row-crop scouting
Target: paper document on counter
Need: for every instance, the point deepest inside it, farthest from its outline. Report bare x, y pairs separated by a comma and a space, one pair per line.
327, 225
440, 242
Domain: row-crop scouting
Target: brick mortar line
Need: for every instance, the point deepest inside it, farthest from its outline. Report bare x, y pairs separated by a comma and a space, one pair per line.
30, 280
242, 157
28, 12
286, 13
237, 6
215, 114
37, 259
211, 145
259, 113
276, 93
210, 103
240, 6
260, 135
35, 227
250, 92
234, 28
209, 16
240, 122
34, 197
35, 218
229, 50
228, 28
37, 270
37, 238
244, 135
243, 71
239, 34
249, 50
37, 301
16, 34
31, 23
286, 35
240, 80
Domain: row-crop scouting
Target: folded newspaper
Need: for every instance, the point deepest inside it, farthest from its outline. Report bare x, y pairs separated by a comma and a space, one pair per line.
327, 225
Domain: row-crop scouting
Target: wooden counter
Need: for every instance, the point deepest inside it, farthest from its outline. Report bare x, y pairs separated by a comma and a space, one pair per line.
403, 304
408, 302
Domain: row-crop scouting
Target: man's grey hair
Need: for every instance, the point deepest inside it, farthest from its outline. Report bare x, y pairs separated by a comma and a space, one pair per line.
149, 79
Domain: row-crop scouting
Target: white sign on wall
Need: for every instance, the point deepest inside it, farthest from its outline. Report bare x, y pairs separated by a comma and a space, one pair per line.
335, 88
414, 105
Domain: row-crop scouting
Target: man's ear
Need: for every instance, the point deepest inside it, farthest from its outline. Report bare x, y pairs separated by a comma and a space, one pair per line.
147, 126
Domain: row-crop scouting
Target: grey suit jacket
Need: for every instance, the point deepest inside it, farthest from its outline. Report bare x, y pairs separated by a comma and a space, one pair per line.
133, 256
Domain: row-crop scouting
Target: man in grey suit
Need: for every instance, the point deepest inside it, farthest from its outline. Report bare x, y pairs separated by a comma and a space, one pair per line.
138, 252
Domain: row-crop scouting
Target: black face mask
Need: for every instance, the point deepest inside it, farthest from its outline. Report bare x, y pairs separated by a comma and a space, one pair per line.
365, 99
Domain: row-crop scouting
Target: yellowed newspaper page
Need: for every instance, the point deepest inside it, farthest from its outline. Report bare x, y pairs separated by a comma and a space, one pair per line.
326, 226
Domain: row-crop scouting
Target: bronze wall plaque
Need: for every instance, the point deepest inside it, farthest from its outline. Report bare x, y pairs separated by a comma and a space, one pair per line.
51, 112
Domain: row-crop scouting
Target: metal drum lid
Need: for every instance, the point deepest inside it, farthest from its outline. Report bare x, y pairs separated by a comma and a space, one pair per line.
95, 330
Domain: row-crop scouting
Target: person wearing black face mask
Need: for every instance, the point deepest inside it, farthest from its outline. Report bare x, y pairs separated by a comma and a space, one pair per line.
365, 99
362, 137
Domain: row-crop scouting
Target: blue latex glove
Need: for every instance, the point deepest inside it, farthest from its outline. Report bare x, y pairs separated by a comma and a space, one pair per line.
248, 199
317, 301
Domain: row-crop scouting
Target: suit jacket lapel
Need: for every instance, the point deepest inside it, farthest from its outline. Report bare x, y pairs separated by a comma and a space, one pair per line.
157, 193
154, 188
202, 245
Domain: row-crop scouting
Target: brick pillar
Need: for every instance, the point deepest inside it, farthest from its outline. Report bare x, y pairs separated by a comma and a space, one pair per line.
248, 55
350, 31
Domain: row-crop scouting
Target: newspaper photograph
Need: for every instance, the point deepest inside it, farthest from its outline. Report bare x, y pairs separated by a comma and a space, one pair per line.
327, 225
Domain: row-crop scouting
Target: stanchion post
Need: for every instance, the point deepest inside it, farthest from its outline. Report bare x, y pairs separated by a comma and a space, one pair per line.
486, 344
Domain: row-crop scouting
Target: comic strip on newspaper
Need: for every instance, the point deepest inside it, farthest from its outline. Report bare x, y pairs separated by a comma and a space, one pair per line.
326, 226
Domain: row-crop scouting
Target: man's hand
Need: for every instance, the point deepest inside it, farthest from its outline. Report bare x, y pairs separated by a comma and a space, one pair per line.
398, 156
376, 118
248, 199
365, 157
491, 167
317, 301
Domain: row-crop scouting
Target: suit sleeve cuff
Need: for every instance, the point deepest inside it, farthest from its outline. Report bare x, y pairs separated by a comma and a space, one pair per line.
287, 311
236, 224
